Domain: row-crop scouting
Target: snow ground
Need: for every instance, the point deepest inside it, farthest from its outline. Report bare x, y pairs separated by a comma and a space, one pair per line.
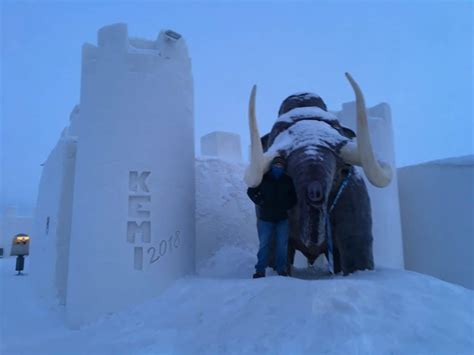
222, 311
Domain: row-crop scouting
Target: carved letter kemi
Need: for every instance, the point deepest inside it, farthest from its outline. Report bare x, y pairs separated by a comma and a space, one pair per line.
139, 215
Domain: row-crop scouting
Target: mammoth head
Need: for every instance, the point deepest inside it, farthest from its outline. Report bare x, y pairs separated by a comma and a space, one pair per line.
305, 124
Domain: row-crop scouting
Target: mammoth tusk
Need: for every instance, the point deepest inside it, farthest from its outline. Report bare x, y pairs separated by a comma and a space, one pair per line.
379, 173
254, 172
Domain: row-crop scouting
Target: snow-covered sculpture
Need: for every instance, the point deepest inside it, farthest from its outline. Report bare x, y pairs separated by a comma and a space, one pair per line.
333, 213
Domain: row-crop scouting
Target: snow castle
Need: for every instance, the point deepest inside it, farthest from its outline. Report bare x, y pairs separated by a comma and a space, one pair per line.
115, 218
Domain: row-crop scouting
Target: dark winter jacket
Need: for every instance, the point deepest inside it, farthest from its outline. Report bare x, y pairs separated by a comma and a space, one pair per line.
273, 197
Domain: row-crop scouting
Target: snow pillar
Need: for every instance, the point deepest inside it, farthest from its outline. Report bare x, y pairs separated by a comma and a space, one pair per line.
388, 246
133, 210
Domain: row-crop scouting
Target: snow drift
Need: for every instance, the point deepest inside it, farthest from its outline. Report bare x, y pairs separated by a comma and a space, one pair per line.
222, 311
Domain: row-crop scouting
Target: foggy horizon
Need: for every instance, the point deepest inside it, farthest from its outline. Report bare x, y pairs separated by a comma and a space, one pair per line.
417, 57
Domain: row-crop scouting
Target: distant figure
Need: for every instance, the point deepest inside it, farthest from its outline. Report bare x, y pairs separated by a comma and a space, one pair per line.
274, 197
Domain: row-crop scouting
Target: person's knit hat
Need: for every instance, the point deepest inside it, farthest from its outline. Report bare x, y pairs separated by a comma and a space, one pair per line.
305, 99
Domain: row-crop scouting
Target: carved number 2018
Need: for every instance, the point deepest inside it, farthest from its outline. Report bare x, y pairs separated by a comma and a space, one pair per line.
165, 246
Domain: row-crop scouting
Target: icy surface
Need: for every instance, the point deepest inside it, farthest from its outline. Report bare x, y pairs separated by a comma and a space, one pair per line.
223, 311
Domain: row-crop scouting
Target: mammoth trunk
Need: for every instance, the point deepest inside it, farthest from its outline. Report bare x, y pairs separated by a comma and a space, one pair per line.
312, 224
312, 171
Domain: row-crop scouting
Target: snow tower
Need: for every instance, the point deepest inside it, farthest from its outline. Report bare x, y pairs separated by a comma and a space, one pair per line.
125, 226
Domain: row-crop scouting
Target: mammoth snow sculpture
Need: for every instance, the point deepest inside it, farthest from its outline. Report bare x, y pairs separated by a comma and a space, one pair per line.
333, 213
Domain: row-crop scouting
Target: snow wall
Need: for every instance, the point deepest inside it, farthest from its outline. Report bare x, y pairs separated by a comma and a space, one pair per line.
225, 145
388, 245
225, 216
50, 240
437, 204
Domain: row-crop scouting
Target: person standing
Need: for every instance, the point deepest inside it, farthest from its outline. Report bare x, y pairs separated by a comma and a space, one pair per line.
273, 197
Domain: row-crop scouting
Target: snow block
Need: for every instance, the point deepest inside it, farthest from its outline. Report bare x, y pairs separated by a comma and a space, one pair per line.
388, 245
225, 216
224, 145
113, 37
436, 203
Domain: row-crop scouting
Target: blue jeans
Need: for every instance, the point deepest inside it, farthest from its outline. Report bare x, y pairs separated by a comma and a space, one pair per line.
265, 232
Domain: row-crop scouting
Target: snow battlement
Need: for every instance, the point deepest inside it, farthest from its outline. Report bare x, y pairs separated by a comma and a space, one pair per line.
381, 111
140, 54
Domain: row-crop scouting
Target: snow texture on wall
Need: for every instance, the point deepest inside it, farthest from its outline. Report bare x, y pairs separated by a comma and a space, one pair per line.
437, 204
224, 145
225, 216
52, 226
388, 246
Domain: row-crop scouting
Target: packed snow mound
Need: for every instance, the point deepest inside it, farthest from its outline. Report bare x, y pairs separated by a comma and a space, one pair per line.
223, 311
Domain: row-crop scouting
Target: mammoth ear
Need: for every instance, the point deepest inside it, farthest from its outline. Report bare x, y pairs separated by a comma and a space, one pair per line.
343, 131
264, 141
347, 132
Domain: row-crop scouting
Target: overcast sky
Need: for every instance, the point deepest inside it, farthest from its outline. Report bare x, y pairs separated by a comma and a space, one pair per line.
416, 56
